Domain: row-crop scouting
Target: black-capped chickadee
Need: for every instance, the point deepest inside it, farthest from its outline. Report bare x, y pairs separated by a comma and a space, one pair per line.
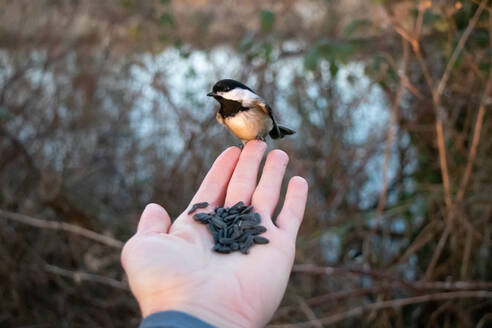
245, 113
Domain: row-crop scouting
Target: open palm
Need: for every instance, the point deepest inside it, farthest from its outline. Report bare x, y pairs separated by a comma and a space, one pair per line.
173, 267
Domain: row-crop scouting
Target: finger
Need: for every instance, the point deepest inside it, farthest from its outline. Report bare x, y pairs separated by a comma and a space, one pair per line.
290, 217
243, 181
214, 185
154, 219
266, 195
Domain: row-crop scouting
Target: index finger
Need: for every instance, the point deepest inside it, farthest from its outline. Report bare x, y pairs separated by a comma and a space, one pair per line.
214, 185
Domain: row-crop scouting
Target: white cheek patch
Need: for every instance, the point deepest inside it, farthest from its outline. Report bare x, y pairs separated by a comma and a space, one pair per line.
246, 97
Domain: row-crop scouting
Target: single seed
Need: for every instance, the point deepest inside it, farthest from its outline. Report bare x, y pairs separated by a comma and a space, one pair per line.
222, 249
244, 217
229, 217
202, 217
243, 237
212, 228
247, 209
218, 223
260, 240
236, 232
197, 206
257, 218
225, 241
237, 205
249, 241
246, 224
244, 250
259, 229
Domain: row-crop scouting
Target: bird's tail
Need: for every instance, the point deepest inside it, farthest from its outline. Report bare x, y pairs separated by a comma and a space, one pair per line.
280, 131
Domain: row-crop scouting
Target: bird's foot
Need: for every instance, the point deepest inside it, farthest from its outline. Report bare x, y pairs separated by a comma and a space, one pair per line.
262, 138
241, 145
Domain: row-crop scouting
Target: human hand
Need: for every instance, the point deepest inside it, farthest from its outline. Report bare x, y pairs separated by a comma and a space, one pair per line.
172, 266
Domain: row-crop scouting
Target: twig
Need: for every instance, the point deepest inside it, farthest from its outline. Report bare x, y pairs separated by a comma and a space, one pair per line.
414, 41
414, 285
437, 253
309, 312
466, 254
333, 296
395, 303
437, 99
476, 131
459, 48
392, 129
391, 288
440, 136
78, 277
327, 270
63, 226
484, 320
389, 145
424, 236
456, 285
440, 309
442, 160
489, 9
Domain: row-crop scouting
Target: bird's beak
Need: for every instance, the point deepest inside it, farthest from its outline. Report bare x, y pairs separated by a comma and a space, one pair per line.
211, 94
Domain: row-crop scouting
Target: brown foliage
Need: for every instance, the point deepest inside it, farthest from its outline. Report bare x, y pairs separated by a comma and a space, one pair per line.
103, 109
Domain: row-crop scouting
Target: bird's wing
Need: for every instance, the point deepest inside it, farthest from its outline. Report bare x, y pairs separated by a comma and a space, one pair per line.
267, 109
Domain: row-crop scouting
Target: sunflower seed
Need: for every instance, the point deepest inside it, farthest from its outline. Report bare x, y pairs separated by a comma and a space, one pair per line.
197, 206
218, 222
225, 241
248, 216
247, 209
260, 240
222, 249
202, 217
233, 229
237, 206
259, 229
229, 217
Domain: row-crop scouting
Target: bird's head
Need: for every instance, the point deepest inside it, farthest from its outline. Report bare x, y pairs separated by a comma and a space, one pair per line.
232, 90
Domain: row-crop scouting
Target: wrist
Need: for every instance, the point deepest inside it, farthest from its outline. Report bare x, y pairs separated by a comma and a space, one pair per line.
217, 317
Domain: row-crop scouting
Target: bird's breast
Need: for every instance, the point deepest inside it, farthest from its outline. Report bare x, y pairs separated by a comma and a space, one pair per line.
250, 124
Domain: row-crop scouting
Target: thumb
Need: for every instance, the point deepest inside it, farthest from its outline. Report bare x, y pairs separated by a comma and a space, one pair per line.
154, 219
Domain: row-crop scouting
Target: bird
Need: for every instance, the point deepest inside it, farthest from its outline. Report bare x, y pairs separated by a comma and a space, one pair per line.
245, 113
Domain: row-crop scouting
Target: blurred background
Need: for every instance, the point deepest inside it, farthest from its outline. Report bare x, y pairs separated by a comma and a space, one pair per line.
103, 109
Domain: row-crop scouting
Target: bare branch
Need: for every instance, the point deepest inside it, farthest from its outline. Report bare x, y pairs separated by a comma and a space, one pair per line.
392, 129
438, 251
383, 276
309, 312
395, 303
459, 48
476, 131
62, 226
79, 277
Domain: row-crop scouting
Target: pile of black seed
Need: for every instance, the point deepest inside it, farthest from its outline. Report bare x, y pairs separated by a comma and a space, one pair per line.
235, 228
